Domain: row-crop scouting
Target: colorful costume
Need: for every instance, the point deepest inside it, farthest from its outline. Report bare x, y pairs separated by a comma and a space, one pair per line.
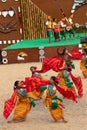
36, 74
57, 65
49, 29
56, 31
76, 80
53, 103
23, 107
62, 29
83, 65
33, 85
65, 82
68, 60
69, 28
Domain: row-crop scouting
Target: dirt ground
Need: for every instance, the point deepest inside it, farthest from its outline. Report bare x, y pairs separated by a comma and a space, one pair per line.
39, 118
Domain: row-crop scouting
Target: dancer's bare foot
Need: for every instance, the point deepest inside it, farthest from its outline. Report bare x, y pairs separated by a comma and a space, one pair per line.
16, 121
56, 120
10, 121
64, 120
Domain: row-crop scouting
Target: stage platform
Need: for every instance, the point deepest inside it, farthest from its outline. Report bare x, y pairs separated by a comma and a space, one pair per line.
36, 50
44, 43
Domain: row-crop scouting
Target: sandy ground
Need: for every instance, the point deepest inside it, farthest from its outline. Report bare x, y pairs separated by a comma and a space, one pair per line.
39, 117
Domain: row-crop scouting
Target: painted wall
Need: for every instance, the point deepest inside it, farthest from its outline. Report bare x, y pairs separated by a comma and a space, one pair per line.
10, 22
51, 7
31, 55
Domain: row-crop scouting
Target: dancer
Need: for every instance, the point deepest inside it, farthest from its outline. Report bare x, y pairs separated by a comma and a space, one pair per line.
68, 58
34, 73
64, 79
55, 30
67, 71
22, 101
36, 77
53, 102
61, 63
49, 28
69, 27
83, 64
62, 28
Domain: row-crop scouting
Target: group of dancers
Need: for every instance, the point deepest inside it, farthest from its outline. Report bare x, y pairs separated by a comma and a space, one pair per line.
59, 29
33, 88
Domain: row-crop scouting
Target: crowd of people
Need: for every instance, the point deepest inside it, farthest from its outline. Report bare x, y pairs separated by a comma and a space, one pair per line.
59, 29
35, 87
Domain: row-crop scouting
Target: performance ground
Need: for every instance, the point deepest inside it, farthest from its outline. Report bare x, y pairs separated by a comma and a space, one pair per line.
39, 118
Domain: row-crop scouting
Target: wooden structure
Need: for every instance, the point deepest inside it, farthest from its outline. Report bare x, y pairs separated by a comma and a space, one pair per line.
35, 50
33, 20
32, 54
52, 8
10, 22
25, 19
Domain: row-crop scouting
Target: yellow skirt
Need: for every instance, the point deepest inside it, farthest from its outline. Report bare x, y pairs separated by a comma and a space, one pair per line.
83, 69
35, 94
22, 109
57, 113
63, 84
61, 81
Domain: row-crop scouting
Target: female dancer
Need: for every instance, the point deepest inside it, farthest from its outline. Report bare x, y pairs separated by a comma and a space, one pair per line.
53, 102
34, 73
65, 75
22, 101
83, 64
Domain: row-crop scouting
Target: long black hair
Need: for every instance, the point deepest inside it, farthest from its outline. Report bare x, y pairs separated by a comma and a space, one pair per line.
85, 50
62, 53
16, 84
54, 79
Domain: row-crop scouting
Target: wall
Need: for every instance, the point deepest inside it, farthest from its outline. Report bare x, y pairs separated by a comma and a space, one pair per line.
32, 55
33, 20
51, 7
10, 26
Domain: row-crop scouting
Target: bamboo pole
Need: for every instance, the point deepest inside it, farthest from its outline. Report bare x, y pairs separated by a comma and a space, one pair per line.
33, 20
